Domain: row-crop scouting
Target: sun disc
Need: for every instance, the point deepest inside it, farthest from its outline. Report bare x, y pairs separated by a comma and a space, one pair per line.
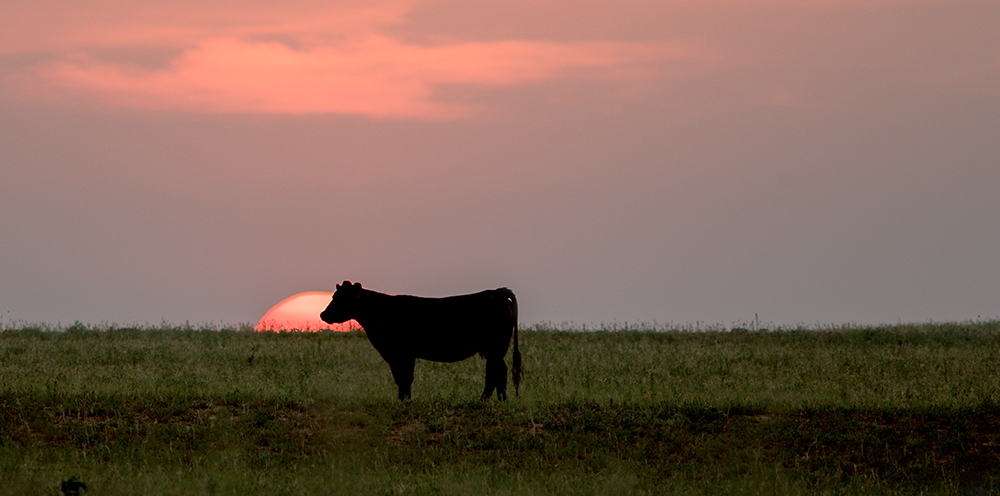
301, 313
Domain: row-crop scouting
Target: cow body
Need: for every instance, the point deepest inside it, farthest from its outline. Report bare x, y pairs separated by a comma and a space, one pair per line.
403, 328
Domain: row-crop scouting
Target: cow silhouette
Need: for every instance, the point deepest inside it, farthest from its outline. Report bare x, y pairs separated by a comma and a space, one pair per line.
403, 328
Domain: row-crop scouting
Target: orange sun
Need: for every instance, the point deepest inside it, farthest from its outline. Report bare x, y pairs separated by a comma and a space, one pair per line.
301, 312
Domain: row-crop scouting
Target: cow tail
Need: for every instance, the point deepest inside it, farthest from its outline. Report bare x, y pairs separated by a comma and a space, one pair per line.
516, 360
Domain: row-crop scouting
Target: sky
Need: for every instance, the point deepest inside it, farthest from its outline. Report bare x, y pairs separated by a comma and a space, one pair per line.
720, 162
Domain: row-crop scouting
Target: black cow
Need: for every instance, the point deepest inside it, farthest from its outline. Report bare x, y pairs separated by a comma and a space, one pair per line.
403, 328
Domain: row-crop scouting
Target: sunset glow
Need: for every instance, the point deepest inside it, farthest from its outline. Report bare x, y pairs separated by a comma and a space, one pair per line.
301, 313
375, 75
332, 61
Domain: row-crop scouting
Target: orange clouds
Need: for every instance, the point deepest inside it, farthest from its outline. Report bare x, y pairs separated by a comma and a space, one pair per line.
31, 27
302, 60
376, 75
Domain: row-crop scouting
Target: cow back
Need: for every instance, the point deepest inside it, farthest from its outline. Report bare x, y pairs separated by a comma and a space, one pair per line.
440, 329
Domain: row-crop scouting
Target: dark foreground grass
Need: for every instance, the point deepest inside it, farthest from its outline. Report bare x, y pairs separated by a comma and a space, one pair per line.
896, 410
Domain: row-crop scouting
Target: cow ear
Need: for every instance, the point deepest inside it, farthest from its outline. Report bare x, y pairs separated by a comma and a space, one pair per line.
338, 287
357, 285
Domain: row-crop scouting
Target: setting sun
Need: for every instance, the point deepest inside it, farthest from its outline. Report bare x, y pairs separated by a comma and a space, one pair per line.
301, 312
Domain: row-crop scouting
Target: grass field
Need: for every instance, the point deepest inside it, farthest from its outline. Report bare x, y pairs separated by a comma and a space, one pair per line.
908, 409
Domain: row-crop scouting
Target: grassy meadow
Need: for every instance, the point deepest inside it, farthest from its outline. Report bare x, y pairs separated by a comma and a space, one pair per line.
907, 409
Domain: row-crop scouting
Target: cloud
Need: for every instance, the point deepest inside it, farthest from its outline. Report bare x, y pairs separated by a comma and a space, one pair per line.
28, 27
375, 75
302, 61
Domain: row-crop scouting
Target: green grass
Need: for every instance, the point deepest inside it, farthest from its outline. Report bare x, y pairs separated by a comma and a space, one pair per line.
909, 409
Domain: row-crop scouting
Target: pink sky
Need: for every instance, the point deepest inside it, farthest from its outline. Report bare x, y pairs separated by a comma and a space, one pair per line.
374, 75
295, 59
397, 59
802, 160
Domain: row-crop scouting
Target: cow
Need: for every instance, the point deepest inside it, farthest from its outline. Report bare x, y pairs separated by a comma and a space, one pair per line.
403, 328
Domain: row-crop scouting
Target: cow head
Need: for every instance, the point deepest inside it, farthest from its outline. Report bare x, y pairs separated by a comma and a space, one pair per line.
343, 305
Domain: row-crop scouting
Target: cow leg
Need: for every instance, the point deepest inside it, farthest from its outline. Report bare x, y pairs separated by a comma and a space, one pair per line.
402, 373
496, 378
